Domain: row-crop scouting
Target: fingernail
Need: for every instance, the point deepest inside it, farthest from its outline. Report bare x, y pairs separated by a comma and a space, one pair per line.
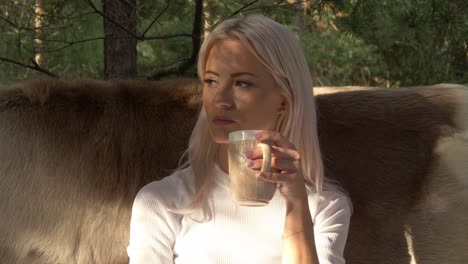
258, 135
250, 163
248, 154
262, 175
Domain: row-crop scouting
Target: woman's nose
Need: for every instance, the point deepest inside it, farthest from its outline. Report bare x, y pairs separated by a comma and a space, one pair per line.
223, 97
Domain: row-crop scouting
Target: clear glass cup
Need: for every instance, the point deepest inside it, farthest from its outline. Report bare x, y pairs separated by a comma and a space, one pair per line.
246, 187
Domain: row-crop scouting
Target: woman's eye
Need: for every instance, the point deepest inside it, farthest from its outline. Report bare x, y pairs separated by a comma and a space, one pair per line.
243, 84
209, 82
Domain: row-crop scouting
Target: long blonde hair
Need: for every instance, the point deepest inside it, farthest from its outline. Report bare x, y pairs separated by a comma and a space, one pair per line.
278, 50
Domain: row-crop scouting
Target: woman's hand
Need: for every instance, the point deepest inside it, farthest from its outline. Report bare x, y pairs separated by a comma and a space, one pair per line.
285, 166
298, 233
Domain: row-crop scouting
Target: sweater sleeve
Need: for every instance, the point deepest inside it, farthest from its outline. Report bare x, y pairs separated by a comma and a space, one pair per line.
331, 224
152, 228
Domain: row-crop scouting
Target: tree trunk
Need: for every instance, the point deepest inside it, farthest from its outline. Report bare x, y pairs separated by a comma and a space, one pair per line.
38, 19
299, 14
120, 41
207, 15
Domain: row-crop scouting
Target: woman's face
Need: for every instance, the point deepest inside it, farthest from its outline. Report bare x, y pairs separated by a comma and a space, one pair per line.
239, 93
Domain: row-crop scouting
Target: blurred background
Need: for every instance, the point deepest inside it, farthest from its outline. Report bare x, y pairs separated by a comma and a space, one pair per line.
386, 43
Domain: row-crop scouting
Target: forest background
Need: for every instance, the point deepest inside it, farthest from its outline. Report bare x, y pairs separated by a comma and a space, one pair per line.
387, 43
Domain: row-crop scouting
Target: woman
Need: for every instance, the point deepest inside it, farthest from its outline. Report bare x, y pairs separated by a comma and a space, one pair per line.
255, 77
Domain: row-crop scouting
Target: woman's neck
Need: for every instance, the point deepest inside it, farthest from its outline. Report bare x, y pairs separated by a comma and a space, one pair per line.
223, 157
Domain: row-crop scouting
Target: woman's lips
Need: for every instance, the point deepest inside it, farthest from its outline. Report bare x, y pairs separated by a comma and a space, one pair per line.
222, 121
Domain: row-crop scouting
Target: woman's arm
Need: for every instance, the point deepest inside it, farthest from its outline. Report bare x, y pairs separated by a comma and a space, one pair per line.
324, 239
298, 235
308, 237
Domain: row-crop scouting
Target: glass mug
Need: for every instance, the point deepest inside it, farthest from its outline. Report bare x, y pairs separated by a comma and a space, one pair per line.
246, 188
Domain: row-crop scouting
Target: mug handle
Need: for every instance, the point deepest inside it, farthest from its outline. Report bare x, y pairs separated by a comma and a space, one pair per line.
266, 150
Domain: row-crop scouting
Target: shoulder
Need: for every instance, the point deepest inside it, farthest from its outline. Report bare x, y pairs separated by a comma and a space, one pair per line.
331, 214
329, 204
172, 191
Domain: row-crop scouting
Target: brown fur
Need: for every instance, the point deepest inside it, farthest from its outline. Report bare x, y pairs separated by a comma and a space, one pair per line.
384, 145
73, 154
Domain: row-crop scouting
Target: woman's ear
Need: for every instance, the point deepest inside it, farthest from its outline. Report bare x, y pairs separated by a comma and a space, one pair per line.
282, 108
281, 115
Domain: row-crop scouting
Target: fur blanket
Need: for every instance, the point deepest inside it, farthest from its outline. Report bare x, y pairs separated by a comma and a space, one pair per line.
73, 155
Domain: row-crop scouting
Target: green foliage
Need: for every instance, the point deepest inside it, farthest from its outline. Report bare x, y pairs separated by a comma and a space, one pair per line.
157, 54
357, 42
420, 41
65, 25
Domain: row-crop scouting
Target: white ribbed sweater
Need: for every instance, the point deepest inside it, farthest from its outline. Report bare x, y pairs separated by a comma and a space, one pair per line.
234, 234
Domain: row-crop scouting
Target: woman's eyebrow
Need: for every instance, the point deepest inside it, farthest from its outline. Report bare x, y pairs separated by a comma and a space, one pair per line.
243, 73
233, 74
212, 72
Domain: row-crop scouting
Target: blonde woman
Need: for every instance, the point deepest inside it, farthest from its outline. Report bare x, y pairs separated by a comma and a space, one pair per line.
255, 77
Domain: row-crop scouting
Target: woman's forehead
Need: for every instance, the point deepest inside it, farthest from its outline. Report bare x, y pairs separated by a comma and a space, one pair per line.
233, 55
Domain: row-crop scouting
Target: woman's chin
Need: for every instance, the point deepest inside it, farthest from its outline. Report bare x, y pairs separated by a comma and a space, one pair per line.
220, 136
220, 139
